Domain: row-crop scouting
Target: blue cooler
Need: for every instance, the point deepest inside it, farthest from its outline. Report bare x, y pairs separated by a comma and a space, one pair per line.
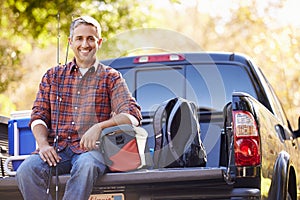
20, 139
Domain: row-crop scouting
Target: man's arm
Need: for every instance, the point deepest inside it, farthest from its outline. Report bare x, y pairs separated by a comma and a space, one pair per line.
46, 152
88, 140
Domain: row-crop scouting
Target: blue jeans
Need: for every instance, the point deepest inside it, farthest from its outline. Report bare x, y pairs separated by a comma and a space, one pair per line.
85, 169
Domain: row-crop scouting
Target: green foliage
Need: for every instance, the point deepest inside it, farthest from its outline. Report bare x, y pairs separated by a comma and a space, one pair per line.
6, 106
37, 19
34, 23
9, 65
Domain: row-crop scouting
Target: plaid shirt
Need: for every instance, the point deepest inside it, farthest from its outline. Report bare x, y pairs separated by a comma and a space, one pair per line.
80, 101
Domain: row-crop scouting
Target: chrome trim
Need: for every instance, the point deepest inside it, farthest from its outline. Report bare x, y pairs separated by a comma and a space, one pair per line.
247, 171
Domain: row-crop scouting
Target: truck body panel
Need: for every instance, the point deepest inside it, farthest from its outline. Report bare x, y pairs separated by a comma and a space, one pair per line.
228, 89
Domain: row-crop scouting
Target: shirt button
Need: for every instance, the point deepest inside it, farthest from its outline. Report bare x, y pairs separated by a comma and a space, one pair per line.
58, 149
78, 92
73, 123
76, 108
69, 137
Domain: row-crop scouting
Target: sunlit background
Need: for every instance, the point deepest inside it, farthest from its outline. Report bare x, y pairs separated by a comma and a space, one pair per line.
267, 31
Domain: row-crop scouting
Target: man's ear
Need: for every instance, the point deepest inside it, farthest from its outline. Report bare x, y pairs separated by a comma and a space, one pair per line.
70, 40
100, 42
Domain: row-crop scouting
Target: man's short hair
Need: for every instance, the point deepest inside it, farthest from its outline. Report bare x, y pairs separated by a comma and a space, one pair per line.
85, 20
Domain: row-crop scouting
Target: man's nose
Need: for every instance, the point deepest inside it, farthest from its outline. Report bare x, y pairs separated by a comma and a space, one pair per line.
85, 43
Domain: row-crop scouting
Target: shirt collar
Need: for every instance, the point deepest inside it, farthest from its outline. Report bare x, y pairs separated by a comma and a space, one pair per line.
74, 67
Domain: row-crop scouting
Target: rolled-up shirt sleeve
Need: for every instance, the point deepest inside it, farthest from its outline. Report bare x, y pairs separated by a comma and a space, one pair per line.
121, 99
37, 122
41, 106
133, 120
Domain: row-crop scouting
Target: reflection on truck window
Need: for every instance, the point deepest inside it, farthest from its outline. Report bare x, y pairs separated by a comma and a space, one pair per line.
209, 86
155, 86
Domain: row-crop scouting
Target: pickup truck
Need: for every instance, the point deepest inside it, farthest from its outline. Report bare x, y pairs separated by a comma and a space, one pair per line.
252, 148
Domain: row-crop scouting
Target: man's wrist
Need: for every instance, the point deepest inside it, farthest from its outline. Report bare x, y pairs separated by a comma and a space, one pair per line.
99, 127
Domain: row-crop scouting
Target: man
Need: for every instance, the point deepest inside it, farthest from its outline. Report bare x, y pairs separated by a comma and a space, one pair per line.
75, 102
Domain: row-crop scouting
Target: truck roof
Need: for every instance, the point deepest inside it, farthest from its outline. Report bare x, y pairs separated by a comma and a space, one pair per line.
202, 57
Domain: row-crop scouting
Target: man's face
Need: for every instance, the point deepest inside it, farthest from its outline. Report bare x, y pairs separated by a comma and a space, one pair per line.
85, 43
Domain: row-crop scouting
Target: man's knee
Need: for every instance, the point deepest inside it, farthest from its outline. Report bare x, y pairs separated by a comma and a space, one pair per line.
90, 161
30, 165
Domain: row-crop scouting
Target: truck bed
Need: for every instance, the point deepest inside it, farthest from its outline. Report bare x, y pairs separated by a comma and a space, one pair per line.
145, 181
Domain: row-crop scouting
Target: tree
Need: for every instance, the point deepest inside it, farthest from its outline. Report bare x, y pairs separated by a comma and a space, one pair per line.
9, 65
32, 26
248, 27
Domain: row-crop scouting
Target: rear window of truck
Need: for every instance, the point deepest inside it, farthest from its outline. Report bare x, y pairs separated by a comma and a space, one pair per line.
209, 86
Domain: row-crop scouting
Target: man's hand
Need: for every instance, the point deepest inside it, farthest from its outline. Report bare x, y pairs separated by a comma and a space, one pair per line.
46, 152
89, 139
49, 155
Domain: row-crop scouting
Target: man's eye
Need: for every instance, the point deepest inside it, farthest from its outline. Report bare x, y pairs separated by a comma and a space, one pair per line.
92, 39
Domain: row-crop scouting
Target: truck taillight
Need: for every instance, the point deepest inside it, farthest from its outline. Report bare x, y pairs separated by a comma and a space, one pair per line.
246, 139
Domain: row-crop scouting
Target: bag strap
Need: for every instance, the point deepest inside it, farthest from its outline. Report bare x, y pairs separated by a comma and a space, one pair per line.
159, 116
195, 131
195, 127
173, 112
